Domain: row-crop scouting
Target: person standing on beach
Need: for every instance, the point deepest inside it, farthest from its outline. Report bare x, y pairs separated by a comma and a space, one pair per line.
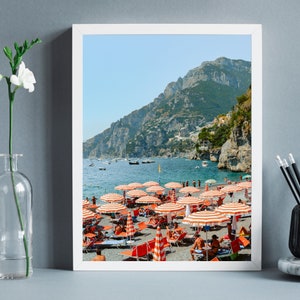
99, 256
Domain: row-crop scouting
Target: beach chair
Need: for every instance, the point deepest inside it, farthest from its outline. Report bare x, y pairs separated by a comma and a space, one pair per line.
243, 241
142, 226
138, 252
177, 241
232, 253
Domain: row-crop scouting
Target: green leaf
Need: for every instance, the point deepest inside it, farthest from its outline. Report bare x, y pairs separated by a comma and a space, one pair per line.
8, 53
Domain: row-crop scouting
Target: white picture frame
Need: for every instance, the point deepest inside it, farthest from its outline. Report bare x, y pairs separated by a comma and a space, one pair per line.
254, 31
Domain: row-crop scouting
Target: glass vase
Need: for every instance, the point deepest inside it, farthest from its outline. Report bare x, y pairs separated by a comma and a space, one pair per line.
15, 221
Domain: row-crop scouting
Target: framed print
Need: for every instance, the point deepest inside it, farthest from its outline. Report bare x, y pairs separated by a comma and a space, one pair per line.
167, 135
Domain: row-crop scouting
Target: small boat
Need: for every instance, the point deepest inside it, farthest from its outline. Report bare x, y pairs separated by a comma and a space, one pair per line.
134, 162
148, 161
102, 169
91, 165
204, 163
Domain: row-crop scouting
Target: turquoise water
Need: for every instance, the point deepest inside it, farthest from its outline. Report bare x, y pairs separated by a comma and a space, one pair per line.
98, 182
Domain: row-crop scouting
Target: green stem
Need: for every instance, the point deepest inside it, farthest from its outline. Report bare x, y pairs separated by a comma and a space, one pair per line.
11, 167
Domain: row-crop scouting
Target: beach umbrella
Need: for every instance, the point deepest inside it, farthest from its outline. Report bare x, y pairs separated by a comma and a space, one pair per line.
130, 230
150, 183
124, 187
155, 189
189, 189
136, 185
231, 188
111, 208
211, 194
85, 203
112, 197
234, 209
173, 185
210, 181
136, 193
190, 200
206, 218
169, 207
148, 199
245, 184
159, 251
87, 214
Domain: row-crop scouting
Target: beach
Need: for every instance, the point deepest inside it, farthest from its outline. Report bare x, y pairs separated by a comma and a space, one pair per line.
174, 252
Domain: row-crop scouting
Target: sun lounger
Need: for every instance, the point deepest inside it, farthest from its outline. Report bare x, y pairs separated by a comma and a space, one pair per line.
138, 252
230, 254
110, 243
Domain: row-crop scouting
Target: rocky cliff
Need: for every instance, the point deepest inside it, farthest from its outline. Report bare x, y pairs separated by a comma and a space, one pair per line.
165, 126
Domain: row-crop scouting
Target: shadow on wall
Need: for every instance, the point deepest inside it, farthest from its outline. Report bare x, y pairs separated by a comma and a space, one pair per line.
61, 151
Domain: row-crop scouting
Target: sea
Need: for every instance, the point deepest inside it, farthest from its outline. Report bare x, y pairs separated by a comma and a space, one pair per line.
102, 176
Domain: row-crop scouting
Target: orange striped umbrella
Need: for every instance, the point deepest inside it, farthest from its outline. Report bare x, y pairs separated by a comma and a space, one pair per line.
85, 203
159, 251
169, 207
231, 188
189, 189
112, 197
212, 194
87, 214
148, 199
150, 183
136, 185
245, 184
124, 187
136, 193
130, 230
234, 209
111, 208
206, 218
190, 201
155, 189
173, 185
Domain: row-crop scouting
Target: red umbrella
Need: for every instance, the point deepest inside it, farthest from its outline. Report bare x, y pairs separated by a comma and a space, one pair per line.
130, 230
159, 251
85, 203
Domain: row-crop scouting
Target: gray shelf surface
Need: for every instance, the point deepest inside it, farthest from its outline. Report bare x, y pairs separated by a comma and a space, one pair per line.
61, 284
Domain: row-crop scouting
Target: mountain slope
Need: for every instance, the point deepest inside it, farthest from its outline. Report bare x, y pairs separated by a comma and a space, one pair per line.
164, 126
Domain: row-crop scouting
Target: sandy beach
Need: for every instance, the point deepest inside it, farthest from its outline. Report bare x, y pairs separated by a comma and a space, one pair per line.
173, 253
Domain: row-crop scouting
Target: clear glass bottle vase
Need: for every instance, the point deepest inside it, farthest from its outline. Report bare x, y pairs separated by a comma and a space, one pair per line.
15, 221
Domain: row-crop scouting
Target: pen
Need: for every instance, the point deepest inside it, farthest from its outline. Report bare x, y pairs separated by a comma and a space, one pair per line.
287, 178
294, 166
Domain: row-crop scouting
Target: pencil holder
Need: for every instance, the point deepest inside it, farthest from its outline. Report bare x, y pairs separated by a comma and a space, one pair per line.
294, 238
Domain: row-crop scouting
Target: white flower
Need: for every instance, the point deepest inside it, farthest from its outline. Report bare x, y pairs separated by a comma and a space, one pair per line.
25, 78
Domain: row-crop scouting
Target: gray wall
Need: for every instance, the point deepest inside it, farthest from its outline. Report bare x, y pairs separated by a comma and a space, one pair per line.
43, 119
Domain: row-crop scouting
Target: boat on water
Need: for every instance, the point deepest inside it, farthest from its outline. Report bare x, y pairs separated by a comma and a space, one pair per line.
148, 161
204, 163
102, 169
134, 162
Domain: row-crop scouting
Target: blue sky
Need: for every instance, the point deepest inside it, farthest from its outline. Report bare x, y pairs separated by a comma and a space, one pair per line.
122, 73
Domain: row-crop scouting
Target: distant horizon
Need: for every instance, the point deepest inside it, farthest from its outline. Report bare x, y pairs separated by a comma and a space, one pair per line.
122, 73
